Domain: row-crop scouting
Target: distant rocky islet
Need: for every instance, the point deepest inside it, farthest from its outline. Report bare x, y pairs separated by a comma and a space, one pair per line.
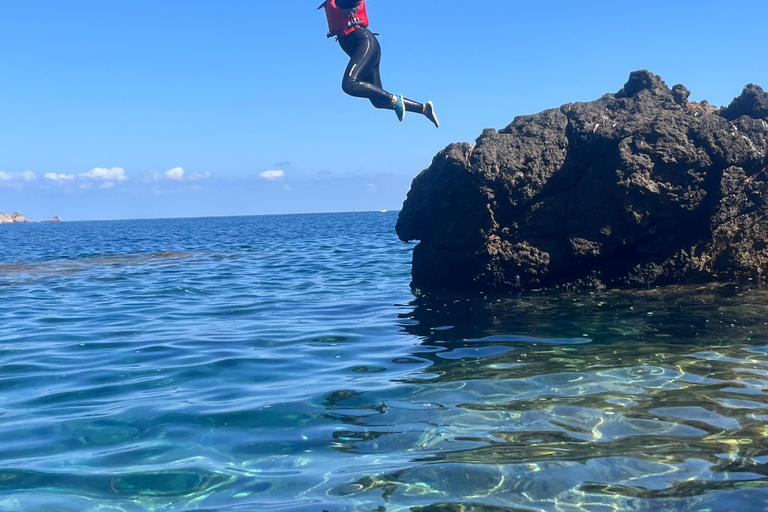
19, 218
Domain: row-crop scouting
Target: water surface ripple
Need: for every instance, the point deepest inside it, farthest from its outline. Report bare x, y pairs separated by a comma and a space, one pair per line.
281, 363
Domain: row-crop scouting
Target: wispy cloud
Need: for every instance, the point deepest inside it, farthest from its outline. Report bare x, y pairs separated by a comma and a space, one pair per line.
273, 175
59, 178
177, 174
18, 176
16, 179
197, 176
115, 174
103, 178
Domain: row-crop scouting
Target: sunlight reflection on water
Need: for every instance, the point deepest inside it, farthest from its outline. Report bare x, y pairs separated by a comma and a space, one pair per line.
281, 363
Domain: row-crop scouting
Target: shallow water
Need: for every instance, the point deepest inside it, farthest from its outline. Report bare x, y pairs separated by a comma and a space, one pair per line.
281, 363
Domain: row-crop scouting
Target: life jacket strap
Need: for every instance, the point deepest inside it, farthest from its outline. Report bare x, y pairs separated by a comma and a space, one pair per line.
352, 22
329, 35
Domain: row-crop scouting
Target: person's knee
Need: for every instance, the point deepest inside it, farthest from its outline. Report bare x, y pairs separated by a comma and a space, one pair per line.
348, 86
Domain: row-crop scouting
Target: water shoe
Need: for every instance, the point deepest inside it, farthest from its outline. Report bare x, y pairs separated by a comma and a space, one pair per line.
429, 111
399, 107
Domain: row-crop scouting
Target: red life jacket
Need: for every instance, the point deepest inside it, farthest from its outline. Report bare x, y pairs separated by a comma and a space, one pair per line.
342, 22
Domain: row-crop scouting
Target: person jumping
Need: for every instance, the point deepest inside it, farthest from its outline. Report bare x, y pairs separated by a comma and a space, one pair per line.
348, 22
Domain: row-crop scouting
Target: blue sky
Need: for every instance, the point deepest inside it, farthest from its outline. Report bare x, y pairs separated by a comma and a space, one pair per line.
164, 108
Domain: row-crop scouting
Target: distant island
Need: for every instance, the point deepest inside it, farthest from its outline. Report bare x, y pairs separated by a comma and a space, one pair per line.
19, 218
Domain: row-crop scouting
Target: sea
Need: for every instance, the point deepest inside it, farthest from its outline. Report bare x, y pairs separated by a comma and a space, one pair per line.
283, 363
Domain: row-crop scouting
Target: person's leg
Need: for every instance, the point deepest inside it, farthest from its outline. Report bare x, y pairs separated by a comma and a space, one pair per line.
413, 106
425, 109
362, 77
364, 57
374, 77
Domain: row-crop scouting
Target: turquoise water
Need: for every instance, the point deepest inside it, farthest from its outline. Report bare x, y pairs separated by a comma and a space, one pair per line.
281, 363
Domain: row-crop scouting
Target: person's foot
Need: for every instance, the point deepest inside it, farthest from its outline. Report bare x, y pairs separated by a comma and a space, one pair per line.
399, 107
429, 111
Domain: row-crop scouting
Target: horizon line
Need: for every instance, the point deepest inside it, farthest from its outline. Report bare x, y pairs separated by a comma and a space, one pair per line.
204, 216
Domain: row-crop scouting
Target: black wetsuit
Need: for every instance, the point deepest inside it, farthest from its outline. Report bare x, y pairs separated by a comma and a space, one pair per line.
362, 78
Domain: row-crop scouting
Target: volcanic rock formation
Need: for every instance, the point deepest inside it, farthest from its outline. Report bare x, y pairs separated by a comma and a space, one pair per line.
637, 188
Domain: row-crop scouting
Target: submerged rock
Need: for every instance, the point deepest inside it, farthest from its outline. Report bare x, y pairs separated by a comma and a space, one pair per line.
637, 188
11, 218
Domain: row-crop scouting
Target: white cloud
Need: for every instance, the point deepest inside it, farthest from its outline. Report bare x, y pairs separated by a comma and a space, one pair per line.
12, 179
177, 173
195, 176
154, 177
101, 173
272, 175
59, 178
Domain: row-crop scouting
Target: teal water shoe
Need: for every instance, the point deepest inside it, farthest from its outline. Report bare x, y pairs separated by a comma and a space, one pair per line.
399, 107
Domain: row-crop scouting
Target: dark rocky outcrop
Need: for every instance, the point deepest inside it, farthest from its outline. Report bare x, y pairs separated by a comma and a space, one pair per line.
637, 188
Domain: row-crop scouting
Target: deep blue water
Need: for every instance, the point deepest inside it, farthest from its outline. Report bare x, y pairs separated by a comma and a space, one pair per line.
281, 363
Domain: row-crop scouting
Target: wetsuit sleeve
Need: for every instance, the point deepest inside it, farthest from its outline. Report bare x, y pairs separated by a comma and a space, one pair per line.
347, 4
